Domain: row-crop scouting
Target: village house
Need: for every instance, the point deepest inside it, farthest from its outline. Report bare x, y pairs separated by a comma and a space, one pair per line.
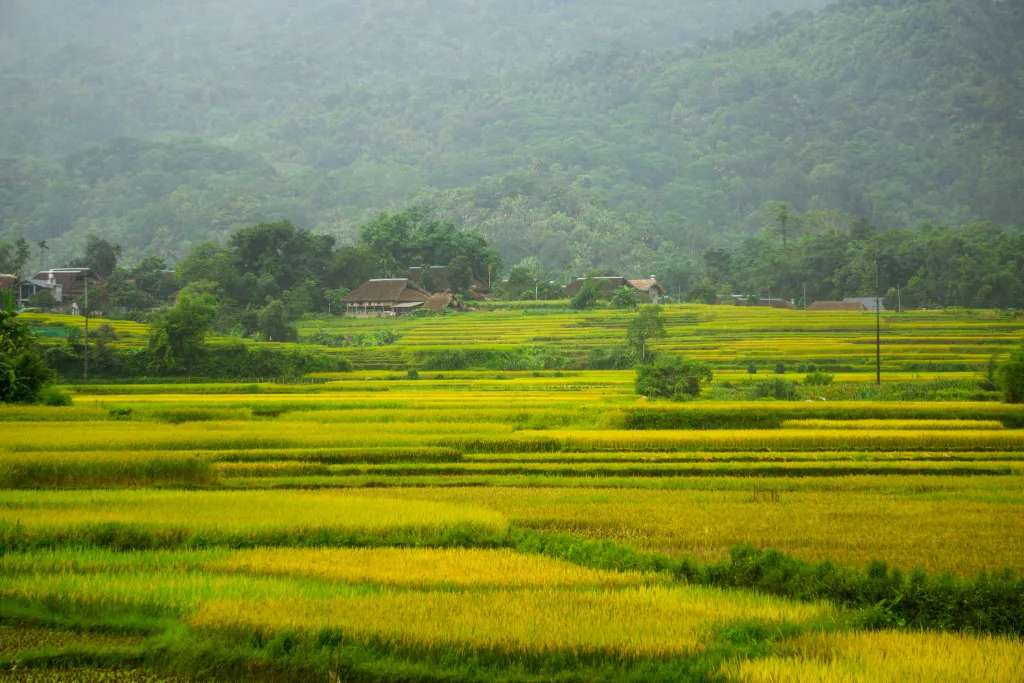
869, 302
750, 300
646, 287
385, 297
67, 286
837, 306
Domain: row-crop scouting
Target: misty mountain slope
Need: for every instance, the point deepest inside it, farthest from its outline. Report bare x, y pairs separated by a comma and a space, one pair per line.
897, 110
86, 71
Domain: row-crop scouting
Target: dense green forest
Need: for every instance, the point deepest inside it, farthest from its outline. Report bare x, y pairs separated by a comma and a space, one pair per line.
590, 135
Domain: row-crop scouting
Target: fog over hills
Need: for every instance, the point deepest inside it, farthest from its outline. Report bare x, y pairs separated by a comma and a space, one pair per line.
597, 134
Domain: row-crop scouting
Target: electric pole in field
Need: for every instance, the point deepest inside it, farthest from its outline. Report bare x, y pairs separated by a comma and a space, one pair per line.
878, 329
85, 352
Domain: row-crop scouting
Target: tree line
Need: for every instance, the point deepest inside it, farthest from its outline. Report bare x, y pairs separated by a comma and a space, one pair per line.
624, 154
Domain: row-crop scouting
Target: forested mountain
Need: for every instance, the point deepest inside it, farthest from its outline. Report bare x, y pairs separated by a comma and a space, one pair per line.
591, 134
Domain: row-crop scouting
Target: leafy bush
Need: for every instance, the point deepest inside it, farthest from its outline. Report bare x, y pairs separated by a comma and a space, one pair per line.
23, 374
780, 368
818, 379
1011, 378
671, 377
611, 358
52, 396
587, 297
778, 388
530, 358
752, 368
624, 297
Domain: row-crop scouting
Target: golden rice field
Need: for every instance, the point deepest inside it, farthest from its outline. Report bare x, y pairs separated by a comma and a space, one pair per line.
478, 524
918, 344
887, 657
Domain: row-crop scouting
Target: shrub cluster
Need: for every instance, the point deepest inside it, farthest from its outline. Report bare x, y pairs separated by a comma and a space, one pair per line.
992, 603
777, 388
531, 358
671, 377
231, 361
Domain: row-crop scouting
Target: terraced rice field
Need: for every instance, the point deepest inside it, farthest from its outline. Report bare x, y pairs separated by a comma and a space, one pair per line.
919, 345
530, 525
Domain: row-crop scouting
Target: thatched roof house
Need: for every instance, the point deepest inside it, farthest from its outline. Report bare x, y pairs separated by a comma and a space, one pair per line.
394, 296
837, 306
608, 284
869, 302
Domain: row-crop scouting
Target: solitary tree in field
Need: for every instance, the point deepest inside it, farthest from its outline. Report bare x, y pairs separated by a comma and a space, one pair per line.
177, 336
1011, 377
645, 326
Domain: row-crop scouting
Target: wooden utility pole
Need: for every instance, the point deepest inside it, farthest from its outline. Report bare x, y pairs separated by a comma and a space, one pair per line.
85, 352
878, 330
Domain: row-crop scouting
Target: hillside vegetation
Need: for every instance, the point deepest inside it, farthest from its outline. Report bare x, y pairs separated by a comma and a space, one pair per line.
594, 137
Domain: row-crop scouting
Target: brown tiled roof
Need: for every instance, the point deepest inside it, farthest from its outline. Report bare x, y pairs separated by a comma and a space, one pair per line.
8, 281
391, 290
440, 302
610, 283
645, 284
837, 306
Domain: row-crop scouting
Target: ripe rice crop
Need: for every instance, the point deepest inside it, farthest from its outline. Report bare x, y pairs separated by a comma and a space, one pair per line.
888, 657
674, 469
140, 518
965, 525
235, 435
740, 457
761, 414
366, 454
22, 413
767, 440
915, 425
19, 638
273, 468
80, 470
423, 568
661, 621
